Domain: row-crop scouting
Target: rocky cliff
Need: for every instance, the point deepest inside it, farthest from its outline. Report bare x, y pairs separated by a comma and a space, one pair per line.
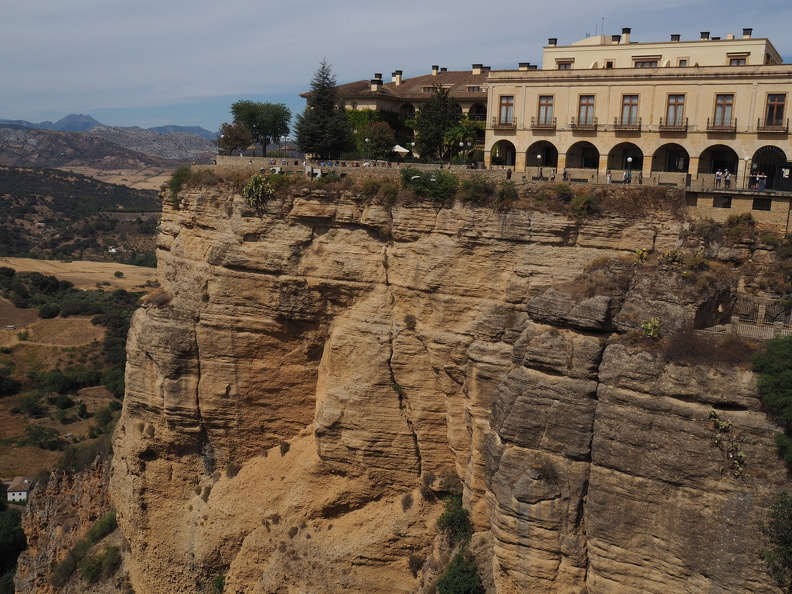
311, 372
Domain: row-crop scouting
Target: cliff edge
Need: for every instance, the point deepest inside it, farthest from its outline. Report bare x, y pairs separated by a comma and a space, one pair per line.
311, 372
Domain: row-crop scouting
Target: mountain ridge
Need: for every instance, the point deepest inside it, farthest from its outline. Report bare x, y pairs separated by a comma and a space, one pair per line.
83, 123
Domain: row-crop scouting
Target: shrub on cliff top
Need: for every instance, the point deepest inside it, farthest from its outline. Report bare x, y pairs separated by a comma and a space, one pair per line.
438, 185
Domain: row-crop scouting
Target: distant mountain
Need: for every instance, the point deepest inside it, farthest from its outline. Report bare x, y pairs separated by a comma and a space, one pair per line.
73, 123
28, 147
202, 132
83, 123
178, 146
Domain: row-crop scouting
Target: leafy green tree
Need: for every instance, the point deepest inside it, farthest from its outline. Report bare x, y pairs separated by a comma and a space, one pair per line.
462, 577
323, 129
232, 137
435, 118
778, 531
45, 438
265, 121
774, 366
381, 140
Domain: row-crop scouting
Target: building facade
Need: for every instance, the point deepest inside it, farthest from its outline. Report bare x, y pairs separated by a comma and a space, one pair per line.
674, 112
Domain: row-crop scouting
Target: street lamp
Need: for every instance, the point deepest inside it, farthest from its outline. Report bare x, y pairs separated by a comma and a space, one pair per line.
746, 158
367, 150
412, 146
539, 165
629, 170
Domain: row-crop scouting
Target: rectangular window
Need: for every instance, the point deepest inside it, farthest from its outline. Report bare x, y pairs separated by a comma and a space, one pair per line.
472, 89
545, 110
775, 110
737, 62
586, 110
675, 113
646, 64
629, 113
762, 204
565, 65
682, 62
506, 109
721, 202
723, 110
609, 65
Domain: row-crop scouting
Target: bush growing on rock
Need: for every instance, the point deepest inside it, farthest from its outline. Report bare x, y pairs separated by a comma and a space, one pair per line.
455, 520
462, 577
778, 531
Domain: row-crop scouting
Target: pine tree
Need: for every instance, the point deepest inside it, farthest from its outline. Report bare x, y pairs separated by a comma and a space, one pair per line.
432, 122
322, 130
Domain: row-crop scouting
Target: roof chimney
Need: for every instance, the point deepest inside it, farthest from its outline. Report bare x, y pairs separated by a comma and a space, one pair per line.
477, 68
552, 41
376, 82
626, 35
616, 39
675, 37
524, 65
397, 77
435, 69
747, 33
704, 35
444, 69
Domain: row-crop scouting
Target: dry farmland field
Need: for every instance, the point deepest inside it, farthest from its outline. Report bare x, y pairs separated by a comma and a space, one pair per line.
88, 275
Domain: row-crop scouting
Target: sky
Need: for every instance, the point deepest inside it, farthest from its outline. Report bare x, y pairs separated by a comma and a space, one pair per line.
160, 62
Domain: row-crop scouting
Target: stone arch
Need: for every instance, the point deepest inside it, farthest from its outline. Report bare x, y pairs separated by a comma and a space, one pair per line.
618, 157
766, 160
582, 155
718, 156
542, 154
503, 153
478, 112
671, 157
406, 111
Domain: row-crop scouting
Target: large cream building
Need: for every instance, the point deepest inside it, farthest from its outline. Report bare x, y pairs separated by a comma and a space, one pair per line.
670, 112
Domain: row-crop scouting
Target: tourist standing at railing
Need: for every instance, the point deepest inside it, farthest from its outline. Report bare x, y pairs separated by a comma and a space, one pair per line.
718, 176
727, 178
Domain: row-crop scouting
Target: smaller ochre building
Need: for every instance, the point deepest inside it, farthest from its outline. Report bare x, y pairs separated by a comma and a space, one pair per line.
673, 112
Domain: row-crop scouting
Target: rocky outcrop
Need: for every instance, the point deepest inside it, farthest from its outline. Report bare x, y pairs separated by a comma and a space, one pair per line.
308, 368
59, 513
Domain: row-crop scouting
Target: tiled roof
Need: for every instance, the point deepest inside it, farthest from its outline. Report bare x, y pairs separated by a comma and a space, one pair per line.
413, 88
19, 484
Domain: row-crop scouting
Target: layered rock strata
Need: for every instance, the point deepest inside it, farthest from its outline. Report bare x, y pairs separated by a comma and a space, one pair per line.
307, 368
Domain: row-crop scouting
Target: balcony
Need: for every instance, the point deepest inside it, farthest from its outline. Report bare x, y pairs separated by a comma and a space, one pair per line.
626, 126
508, 125
673, 126
589, 124
722, 125
773, 127
543, 125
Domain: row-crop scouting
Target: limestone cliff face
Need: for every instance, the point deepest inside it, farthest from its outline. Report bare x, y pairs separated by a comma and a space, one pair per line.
58, 514
309, 366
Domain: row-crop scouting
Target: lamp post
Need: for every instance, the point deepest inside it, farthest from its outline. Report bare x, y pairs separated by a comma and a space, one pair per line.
367, 150
746, 158
539, 165
629, 170
412, 145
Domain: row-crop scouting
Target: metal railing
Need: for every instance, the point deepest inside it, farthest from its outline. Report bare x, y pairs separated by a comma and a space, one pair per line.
668, 127
628, 126
498, 125
767, 127
587, 124
721, 125
543, 125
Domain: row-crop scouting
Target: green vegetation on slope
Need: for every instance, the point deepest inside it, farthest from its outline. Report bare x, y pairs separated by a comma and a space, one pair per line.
47, 213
